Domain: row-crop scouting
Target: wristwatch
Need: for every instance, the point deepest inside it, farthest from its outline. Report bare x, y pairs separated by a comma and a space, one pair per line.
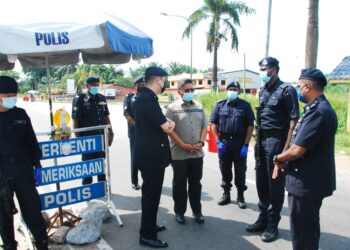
202, 142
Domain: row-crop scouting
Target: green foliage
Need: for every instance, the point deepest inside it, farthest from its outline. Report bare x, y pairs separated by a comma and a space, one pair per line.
10, 73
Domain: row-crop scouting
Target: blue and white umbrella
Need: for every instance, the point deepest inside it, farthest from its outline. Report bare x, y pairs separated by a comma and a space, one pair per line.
102, 39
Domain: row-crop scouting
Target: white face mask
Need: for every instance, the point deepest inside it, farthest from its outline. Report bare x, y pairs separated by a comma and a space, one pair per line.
9, 102
232, 95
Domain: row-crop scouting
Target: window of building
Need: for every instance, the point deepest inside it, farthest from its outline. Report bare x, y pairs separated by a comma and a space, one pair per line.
200, 82
172, 83
209, 82
223, 82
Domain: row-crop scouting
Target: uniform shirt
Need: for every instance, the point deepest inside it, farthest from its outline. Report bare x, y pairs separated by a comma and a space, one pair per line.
313, 175
90, 110
233, 117
189, 123
17, 137
279, 104
152, 148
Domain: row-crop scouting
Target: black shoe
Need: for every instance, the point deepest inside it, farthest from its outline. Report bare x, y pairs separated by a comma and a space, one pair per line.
180, 218
225, 199
198, 217
160, 228
241, 203
153, 243
258, 226
270, 234
135, 187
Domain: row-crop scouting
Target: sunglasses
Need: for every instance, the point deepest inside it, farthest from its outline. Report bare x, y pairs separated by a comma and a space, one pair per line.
189, 90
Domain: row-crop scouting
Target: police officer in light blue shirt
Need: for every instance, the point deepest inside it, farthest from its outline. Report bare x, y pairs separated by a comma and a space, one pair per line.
232, 124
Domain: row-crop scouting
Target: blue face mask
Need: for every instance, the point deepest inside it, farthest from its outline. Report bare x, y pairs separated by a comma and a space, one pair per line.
94, 90
300, 97
264, 77
232, 95
9, 102
188, 97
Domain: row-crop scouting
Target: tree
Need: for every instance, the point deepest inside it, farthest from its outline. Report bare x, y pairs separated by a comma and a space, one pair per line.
311, 46
221, 13
34, 76
175, 68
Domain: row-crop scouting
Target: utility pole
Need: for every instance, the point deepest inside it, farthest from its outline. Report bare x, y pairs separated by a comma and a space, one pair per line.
268, 29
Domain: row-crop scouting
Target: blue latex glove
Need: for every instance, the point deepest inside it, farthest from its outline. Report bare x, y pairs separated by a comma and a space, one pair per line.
244, 151
38, 176
221, 146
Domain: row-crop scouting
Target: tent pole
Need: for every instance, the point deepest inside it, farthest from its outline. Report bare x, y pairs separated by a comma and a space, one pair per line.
60, 211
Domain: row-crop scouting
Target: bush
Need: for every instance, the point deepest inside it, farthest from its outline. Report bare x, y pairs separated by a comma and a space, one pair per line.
337, 96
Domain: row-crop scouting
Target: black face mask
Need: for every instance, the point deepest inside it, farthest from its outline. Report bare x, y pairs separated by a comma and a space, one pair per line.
166, 85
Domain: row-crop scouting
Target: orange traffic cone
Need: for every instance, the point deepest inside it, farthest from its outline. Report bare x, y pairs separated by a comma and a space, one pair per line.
212, 147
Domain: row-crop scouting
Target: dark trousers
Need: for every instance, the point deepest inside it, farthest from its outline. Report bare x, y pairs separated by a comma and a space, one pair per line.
233, 155
151, 190
270, 191
91, 156
30, 206
191, 171
134, 170
304, 216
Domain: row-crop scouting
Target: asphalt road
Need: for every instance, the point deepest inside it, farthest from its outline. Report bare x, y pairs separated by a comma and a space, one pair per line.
224, 227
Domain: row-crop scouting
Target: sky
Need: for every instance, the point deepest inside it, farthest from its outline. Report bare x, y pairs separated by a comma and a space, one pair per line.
287, 40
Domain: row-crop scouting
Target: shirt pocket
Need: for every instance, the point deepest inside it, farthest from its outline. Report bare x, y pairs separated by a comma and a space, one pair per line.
273, 101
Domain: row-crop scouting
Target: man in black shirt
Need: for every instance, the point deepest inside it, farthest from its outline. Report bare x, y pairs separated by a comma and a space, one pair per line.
129, 110
19, 154
311, 164
89, 110
152, 152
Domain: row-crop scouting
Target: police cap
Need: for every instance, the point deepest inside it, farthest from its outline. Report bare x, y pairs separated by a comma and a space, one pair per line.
182, 82
139, 79
92, 79
154, 71
8, 85
269, 61
314, 75
233, 84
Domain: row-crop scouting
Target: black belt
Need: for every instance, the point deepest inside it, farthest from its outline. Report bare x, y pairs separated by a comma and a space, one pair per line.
273, 133
12, 159
226, 136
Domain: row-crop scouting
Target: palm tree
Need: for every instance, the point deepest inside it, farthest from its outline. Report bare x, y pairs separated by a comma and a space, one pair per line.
311, 46
175, 68
221, 13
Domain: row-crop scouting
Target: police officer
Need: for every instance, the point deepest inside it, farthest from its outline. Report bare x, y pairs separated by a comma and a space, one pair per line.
89, 110
232, 125
311, 165
279, 114
152, 152
128, 107
19, 154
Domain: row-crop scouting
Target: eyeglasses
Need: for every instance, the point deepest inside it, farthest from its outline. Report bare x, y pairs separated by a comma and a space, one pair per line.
189, 90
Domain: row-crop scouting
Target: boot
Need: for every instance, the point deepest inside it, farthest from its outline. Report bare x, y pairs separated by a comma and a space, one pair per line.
225, 199
240, 200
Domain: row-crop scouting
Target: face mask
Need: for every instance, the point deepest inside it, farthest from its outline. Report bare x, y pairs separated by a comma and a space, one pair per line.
188, 97
300, 97
264, 77
9, 102
232, 95
166, 85
94, 90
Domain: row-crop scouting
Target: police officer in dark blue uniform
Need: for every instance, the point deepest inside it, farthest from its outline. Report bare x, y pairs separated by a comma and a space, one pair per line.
232, 124
89, 110
128, 107
19, 154
152, 152
279, 114
311, 164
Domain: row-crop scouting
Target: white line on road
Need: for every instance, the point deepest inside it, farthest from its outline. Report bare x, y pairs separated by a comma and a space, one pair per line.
103, 245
